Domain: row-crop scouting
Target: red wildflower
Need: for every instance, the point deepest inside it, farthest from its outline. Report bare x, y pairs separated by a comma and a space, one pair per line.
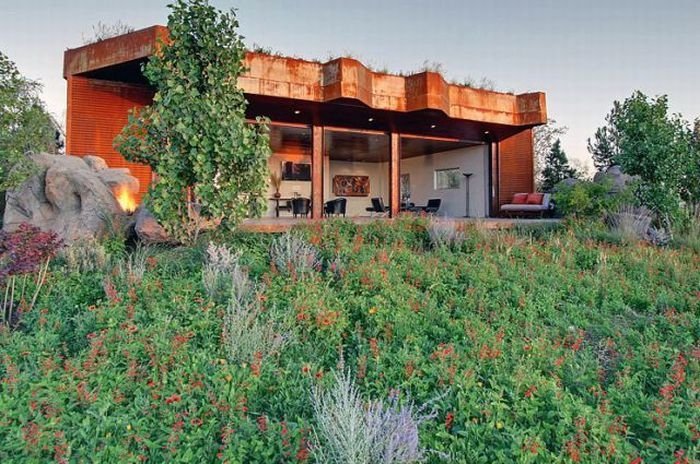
637, 460
173, 399
196, 422
448, 420
530, 391
30, 434
680, 457
262, 423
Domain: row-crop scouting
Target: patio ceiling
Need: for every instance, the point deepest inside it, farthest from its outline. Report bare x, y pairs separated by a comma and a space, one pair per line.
343, 145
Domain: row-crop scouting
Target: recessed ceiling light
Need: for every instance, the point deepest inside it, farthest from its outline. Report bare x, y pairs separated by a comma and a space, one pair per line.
433, 126
370, 119
297, 111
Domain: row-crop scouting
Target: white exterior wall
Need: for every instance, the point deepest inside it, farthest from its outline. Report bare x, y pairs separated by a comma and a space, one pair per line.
471, 159
288, 187
378, 174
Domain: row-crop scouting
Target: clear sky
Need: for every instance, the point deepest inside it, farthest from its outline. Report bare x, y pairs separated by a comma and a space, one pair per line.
583, 53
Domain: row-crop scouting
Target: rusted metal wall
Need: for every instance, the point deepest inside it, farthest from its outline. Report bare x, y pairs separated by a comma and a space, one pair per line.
515, 166
97, 112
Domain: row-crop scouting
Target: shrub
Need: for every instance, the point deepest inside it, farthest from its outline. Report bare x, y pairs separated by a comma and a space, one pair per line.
221, 271
291, 254
84, 256
247, 337
445, 234
630, 223
587, 199
24, 253
348, 431
132, 267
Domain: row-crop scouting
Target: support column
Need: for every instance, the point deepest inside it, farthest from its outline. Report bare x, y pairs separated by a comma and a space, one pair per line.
395, 174
317, 172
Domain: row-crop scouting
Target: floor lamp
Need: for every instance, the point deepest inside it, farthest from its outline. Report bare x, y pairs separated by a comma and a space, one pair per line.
467, 175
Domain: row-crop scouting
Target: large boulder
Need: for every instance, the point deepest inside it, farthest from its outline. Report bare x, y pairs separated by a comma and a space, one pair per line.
147, 228
618, 180
69, 196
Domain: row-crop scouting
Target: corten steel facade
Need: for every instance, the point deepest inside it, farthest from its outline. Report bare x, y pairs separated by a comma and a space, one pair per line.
416, 113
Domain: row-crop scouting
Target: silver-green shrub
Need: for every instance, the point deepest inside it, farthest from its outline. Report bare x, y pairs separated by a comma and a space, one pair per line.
220, 271
291, 254
445, 234
351, 431
85, 255
247, 335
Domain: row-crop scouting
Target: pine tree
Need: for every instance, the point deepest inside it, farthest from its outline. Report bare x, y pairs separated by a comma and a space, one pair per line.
556, 167
605, 146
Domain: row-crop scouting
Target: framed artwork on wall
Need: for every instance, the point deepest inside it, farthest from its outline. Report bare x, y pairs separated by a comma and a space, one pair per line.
351, 186
296, 171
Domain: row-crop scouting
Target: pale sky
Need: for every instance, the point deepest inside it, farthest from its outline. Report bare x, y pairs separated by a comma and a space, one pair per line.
583, 53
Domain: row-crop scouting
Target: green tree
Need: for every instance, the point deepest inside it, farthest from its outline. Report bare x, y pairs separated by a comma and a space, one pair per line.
544, 137
657, 147
556, 167
25, 125
605, 145
210, 163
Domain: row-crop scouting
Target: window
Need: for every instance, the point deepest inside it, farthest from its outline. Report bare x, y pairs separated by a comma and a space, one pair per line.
447, 179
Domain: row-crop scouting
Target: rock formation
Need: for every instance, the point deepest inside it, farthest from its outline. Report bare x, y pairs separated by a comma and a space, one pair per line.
73, 196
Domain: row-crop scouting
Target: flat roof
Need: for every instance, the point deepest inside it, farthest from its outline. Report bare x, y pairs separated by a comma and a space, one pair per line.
274, 84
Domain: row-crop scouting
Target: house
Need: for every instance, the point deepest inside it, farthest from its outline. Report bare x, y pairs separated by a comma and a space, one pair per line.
339, 129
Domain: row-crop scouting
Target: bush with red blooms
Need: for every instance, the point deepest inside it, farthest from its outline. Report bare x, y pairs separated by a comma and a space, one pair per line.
24, 252
530, 346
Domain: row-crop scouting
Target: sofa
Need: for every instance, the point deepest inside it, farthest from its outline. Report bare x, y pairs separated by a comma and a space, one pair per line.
529, 204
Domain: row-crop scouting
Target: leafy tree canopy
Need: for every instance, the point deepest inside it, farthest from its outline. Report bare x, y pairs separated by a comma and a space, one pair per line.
657, 147
25, 125
210, 163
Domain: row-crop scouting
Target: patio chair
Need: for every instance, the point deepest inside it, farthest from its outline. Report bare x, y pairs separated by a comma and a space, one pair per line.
433, 205
301, 207
378, 207
336, 207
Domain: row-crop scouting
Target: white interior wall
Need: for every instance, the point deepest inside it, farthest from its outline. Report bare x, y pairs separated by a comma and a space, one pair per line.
288, 187
378, 183
471, 159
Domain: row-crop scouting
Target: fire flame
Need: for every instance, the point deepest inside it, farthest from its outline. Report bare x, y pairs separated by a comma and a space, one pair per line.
126, 200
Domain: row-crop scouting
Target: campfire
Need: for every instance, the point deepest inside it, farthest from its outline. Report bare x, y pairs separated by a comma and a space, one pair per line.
126, 199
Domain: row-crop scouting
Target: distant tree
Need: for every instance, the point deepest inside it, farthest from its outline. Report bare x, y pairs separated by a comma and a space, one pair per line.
556, 168
210, 162
657, 147
605, 145
544, 137
25, 125
691, 179
102, 31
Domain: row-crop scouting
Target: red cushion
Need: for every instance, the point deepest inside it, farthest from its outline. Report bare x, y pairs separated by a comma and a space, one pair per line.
519, 199
535, 198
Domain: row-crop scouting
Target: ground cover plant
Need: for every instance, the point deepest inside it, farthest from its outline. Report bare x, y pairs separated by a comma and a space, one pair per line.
553, 345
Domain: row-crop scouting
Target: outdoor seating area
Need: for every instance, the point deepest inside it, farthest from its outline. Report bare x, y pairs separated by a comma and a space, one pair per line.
529, 204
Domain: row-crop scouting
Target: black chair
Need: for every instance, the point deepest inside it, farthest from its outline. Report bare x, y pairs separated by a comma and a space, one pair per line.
433, 206
301, 207
336, 207
378, 207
